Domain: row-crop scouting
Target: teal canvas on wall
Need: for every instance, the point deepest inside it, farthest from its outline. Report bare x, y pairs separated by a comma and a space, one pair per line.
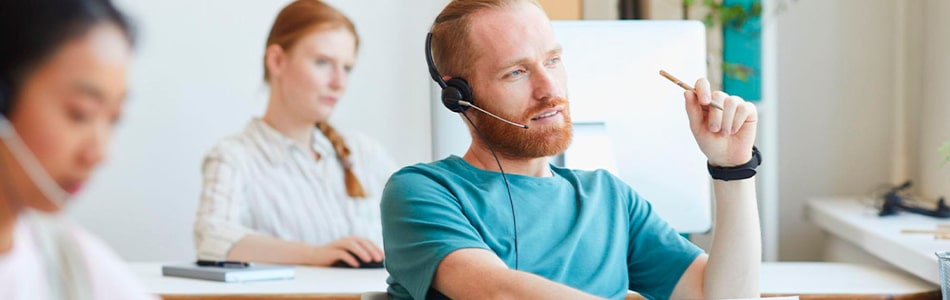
742, 51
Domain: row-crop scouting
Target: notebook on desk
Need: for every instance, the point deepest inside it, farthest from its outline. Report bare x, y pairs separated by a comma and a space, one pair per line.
230, 274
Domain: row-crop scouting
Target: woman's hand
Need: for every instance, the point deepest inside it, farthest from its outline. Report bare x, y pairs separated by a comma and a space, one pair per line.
351, 250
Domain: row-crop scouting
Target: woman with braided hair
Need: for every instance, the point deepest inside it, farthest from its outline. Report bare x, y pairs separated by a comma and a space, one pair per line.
290, 188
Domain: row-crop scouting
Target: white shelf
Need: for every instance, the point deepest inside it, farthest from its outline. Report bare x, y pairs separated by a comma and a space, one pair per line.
851, 220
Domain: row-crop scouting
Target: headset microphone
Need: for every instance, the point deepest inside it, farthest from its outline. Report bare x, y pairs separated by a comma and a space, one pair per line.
469, 104
30, 164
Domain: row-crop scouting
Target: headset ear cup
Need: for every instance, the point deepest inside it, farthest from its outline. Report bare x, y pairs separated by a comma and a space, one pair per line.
457, 89
5, 99
450, 99
464, 89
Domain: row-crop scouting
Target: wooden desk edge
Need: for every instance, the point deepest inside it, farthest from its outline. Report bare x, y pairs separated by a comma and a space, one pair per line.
264, 296
297, 297
932, 295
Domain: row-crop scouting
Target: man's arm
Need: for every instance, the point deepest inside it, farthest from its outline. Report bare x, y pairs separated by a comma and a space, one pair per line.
725, 137
731, 270
736, 253
480, 274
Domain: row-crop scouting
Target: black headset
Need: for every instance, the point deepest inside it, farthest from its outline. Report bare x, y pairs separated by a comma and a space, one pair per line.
453, 91
5, 98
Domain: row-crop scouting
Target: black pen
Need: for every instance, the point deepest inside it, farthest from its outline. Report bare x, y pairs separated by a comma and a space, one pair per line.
222, 264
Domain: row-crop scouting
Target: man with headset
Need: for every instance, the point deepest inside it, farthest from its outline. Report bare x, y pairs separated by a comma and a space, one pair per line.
501, 222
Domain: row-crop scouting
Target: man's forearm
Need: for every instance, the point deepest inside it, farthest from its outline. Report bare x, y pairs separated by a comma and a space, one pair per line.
736, 253
479, 274
511, 284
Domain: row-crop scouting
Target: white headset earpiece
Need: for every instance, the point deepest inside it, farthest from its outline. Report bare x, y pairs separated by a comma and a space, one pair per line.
30, 164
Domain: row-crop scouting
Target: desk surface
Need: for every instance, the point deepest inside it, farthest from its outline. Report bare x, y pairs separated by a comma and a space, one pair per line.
813, 281
308, 281
857, 222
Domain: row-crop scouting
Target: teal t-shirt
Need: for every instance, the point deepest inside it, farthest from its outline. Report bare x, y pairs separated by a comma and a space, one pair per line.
584, 229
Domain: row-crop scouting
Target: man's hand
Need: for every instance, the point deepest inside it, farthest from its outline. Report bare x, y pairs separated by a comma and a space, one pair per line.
725, 136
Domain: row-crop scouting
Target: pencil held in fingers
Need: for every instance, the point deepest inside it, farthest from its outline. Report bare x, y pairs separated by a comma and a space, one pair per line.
675, 80
685, 86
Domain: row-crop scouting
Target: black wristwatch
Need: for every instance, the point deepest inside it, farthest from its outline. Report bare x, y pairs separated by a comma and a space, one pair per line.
740, 172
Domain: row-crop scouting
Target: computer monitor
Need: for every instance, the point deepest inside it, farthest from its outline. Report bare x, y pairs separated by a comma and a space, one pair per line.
613, 80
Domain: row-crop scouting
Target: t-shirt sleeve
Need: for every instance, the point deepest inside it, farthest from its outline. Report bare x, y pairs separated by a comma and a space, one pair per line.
657, 255
423, 221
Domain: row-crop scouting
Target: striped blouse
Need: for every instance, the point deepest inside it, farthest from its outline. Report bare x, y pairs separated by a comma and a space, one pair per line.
259, 181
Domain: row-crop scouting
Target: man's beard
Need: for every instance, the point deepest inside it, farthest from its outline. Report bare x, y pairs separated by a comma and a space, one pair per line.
539, 141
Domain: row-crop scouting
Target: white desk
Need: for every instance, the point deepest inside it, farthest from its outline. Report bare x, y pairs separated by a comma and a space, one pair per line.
857, 222
809, 280
309, 283
315, 283
825, 280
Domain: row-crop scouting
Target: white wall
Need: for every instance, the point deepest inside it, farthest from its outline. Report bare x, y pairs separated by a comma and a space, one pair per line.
836, 78
197, 78
934, 115
767, 183
908, 92
863, 103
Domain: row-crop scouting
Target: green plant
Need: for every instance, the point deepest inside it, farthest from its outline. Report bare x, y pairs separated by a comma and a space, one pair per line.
728, 15
737, 71
734, 16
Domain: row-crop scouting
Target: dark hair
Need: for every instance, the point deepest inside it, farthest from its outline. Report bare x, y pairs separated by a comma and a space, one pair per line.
32, 30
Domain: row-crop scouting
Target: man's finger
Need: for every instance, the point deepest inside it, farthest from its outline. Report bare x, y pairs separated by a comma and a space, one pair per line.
714, 116
693, 110
749, 115
703, 91
730, 106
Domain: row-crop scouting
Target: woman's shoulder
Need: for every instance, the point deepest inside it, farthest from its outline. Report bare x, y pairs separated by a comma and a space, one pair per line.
232, 146
237, 145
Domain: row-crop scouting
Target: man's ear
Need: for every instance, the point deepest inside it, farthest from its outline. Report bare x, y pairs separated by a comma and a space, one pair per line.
275, 59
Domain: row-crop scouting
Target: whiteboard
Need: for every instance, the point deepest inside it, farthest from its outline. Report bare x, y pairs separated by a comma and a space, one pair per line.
628, 119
